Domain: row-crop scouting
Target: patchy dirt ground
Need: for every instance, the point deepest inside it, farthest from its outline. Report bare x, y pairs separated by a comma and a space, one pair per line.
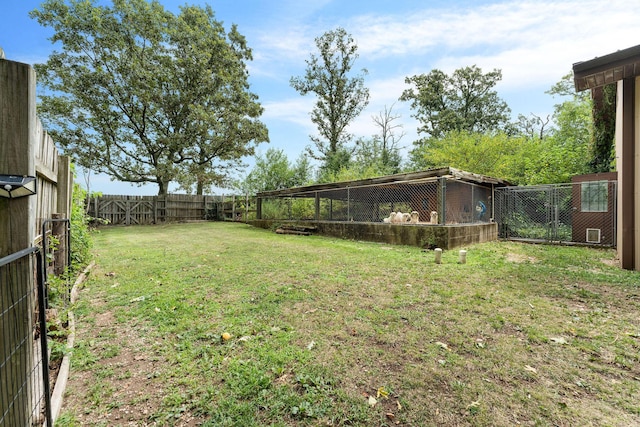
126, 389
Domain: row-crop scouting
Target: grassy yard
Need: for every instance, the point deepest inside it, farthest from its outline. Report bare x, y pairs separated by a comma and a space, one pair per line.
328, 332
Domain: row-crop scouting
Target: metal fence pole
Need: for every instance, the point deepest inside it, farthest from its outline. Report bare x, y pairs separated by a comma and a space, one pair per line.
43, 335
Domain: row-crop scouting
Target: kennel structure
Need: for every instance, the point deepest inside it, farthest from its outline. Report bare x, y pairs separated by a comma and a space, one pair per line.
439, 199
581, 212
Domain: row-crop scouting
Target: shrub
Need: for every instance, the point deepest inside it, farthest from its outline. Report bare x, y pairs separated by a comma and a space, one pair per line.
80, 236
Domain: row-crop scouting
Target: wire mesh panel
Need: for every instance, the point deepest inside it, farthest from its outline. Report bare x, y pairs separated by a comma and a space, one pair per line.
24, 385
431, 201
581, 212
467, 203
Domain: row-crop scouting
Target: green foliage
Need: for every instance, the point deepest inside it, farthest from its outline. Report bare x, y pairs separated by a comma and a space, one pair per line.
147, 96
373, 153
81, 241
464, 101
273, 172
303, 208
498, 155
334, 164
535, 154
340, 98
604, 121
565, 152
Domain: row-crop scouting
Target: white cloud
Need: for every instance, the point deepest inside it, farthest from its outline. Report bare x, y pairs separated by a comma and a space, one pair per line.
529, 41
294, 110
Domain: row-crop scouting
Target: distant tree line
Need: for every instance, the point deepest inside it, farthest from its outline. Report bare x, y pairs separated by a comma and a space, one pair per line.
463, 124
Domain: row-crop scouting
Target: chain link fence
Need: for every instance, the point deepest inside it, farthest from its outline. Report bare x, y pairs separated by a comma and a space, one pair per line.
440, 200
580, 212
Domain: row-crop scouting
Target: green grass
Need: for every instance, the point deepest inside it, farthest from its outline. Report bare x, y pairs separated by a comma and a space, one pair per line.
520, 334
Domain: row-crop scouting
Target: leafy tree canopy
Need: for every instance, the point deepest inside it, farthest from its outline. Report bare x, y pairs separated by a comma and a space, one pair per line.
588, 119
273, 171
340, 97
498, 155
146, 96
464, 101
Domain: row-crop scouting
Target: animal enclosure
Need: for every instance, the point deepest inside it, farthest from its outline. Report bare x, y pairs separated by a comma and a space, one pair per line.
582, 212
443, 196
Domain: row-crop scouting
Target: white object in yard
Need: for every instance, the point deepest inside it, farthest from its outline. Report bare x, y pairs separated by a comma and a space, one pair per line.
463, 257
438, 253
434, 217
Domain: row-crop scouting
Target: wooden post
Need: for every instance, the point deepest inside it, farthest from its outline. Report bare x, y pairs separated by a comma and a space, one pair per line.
259, 208
442, 207
59, 231
17, 230
625, 152
64, 186
233, 207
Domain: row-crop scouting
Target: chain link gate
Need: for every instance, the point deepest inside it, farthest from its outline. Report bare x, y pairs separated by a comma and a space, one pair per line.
581, 212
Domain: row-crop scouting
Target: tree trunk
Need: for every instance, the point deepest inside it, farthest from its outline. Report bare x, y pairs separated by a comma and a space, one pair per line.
162, 188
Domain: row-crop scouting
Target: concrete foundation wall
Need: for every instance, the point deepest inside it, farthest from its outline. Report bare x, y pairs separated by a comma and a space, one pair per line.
422, 235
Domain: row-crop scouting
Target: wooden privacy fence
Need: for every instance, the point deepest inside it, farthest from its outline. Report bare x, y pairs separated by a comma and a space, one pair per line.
25, 150
131, 210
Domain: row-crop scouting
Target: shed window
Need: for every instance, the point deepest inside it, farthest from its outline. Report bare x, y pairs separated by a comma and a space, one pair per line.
594, 196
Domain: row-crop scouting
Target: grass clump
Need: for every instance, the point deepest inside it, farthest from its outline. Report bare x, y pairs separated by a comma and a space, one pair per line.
334, 332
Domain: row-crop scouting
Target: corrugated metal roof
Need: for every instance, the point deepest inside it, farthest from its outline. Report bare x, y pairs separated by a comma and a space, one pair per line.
411, 177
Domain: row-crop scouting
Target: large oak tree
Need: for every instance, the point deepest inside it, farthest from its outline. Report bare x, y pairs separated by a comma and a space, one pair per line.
147, 96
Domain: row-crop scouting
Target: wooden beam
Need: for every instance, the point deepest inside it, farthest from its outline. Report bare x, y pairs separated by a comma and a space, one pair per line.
607, 69
626, 171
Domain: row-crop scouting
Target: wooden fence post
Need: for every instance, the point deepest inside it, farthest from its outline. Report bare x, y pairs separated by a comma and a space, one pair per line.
17, 227
65, 186
58, 230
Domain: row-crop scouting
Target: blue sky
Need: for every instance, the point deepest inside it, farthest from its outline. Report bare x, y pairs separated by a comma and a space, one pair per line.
533, 42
